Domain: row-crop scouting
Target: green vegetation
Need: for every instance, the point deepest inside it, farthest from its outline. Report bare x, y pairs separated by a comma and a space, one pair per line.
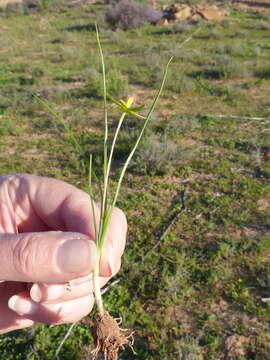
195, 278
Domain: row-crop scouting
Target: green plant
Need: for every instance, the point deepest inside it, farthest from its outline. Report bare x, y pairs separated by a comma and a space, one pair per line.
104, 321
260, 25
160, 155
107, 331
226, 67
211, 234
117, 83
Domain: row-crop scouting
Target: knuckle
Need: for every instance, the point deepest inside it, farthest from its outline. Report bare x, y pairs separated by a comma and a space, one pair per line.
24, 255
13, 181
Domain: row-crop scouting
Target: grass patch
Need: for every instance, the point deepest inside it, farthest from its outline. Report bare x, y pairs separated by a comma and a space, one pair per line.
196, 269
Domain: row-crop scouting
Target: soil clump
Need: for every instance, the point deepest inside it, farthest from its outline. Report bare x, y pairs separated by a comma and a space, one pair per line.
109, 337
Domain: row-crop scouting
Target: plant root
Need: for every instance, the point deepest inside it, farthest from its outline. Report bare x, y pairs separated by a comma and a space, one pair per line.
109, 337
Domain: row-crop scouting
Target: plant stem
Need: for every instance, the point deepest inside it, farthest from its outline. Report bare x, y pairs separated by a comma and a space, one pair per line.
102, 235
107, 212
103, 229
152, 108
105, 144
97, 291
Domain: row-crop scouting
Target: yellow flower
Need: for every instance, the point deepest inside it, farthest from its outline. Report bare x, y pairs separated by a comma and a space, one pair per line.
125, 106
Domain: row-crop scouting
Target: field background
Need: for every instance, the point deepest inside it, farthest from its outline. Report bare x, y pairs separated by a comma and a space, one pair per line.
195, 278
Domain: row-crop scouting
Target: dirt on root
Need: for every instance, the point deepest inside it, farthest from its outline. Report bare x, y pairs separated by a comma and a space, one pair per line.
235, 346
109, 337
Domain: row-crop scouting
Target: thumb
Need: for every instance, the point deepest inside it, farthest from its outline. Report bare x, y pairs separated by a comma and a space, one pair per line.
46, 256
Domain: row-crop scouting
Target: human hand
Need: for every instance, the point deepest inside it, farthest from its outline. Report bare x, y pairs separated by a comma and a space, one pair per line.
47, 251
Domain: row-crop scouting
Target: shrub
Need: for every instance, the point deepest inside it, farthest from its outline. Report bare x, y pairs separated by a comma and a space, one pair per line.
180, 83
262, 71
117, 83
15, 97
215, 34
180, 124
260, 25
159, 155
226, 67
180, 27
240, 35
231, 68
128, 14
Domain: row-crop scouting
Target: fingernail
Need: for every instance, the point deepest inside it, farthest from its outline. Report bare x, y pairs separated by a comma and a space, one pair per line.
111, 258
21, 306
107, 262
46, 292
54, 292
35, 293
77, 255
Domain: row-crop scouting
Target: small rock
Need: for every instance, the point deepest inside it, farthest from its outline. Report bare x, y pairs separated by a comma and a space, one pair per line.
183, 13
162, 22
211, 13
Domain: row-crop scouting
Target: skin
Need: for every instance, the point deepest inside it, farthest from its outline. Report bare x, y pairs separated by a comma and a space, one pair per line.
41, 282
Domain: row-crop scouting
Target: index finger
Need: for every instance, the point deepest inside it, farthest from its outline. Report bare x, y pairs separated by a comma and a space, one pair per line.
57, 205
50, 203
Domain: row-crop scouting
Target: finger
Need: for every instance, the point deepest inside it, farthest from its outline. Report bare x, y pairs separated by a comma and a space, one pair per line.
52, 293
39, 203
67, 209
116, 235
58, 313
9, 320
16, 323
46, 256
114, 244
76, 215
